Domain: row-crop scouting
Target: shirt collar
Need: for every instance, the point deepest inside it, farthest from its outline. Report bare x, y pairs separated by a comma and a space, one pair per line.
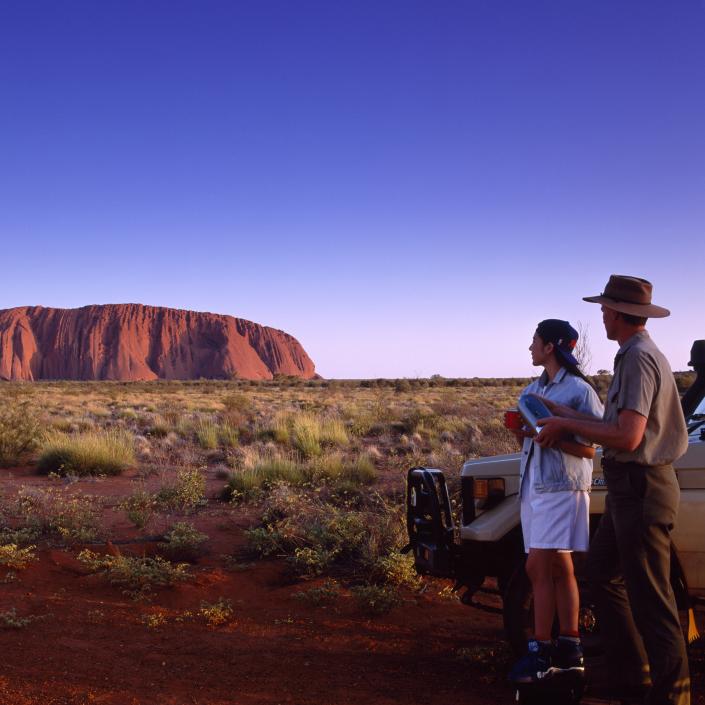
636, 338
544, 381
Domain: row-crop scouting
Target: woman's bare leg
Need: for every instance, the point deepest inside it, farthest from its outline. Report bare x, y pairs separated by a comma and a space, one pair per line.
566, 593
540, 569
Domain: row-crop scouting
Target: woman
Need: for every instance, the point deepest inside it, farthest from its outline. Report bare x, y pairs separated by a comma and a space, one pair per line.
555, 513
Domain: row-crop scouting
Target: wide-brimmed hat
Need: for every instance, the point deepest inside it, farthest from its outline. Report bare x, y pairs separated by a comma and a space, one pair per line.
630, 295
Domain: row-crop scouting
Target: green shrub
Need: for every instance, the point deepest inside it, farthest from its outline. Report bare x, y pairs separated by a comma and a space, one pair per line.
137, 575
139, 507
92, 453
73, 517
186, 494
16, 558
376, 599
19, 431
324, 594
216, 613
319, 538
183, 541
23, 536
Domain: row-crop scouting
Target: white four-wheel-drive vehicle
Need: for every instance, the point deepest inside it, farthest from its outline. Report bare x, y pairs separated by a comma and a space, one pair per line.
488, 543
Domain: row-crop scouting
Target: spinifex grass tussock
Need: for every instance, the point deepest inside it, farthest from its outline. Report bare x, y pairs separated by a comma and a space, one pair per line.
264, 472
93, 453
207, 433
20, 431
139, 576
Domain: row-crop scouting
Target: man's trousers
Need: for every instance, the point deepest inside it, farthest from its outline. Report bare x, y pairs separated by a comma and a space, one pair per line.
629, 567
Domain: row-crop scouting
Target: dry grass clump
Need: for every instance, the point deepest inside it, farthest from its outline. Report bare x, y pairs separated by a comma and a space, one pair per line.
92, 453
262, 472
20, 430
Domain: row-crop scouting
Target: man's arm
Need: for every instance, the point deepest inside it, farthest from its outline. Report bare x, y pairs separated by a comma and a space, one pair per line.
565, 411
626, 434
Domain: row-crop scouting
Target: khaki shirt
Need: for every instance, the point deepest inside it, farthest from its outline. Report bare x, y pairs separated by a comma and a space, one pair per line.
643, 382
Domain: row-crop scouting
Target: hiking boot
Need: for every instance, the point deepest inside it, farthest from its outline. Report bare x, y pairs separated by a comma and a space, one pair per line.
535, 665
568, 655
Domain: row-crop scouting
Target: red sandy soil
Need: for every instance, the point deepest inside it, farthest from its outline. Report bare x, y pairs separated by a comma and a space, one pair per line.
94, 645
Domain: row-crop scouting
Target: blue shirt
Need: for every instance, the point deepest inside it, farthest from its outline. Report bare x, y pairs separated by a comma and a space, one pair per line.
554, 470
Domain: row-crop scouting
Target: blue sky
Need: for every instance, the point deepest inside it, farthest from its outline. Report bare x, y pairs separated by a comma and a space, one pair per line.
407, 187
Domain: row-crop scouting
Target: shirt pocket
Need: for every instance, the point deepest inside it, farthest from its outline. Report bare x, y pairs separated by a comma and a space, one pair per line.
553, 468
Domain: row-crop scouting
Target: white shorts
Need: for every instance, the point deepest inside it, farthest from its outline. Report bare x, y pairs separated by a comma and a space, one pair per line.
558, 520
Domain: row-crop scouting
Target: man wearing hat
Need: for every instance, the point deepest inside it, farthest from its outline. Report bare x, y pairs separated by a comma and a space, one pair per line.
642, 433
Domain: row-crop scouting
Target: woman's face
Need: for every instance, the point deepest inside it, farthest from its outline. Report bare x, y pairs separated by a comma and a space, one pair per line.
540, 351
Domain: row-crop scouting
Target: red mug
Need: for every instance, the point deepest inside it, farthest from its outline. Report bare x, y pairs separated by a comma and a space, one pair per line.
513, 420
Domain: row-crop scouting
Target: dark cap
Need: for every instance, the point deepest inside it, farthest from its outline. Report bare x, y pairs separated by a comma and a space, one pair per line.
563, 336
630, 295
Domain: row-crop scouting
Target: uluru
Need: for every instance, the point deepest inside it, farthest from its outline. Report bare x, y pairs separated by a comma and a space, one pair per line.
133, 342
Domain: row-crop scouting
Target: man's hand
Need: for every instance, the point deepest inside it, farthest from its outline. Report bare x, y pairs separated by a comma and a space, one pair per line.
552, 431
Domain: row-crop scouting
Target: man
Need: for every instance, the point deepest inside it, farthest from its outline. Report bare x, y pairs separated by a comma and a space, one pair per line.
642, 432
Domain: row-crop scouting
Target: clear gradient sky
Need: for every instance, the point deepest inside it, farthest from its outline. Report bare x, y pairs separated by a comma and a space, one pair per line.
406, 186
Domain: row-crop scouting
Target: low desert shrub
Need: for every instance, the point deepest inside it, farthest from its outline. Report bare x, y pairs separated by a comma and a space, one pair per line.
9, 619
20, 431
186, 494
322, 539
324, 594
138, 576
23, 536
16, 558
73, 517
92, 453
139, 507
376, 599
183, 542
216, 613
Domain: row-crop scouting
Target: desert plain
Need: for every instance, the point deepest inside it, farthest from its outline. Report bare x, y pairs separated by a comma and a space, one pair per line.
213, 542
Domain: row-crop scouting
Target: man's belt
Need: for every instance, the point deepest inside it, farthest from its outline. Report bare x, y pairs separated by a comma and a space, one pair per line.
609, 464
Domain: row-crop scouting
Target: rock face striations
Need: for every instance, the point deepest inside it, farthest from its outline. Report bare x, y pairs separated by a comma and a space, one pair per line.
131, 342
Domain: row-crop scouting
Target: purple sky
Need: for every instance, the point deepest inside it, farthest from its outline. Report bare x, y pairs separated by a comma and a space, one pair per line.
407, 187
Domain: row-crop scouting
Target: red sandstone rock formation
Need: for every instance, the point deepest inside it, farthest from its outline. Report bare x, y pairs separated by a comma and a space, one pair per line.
134, 342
